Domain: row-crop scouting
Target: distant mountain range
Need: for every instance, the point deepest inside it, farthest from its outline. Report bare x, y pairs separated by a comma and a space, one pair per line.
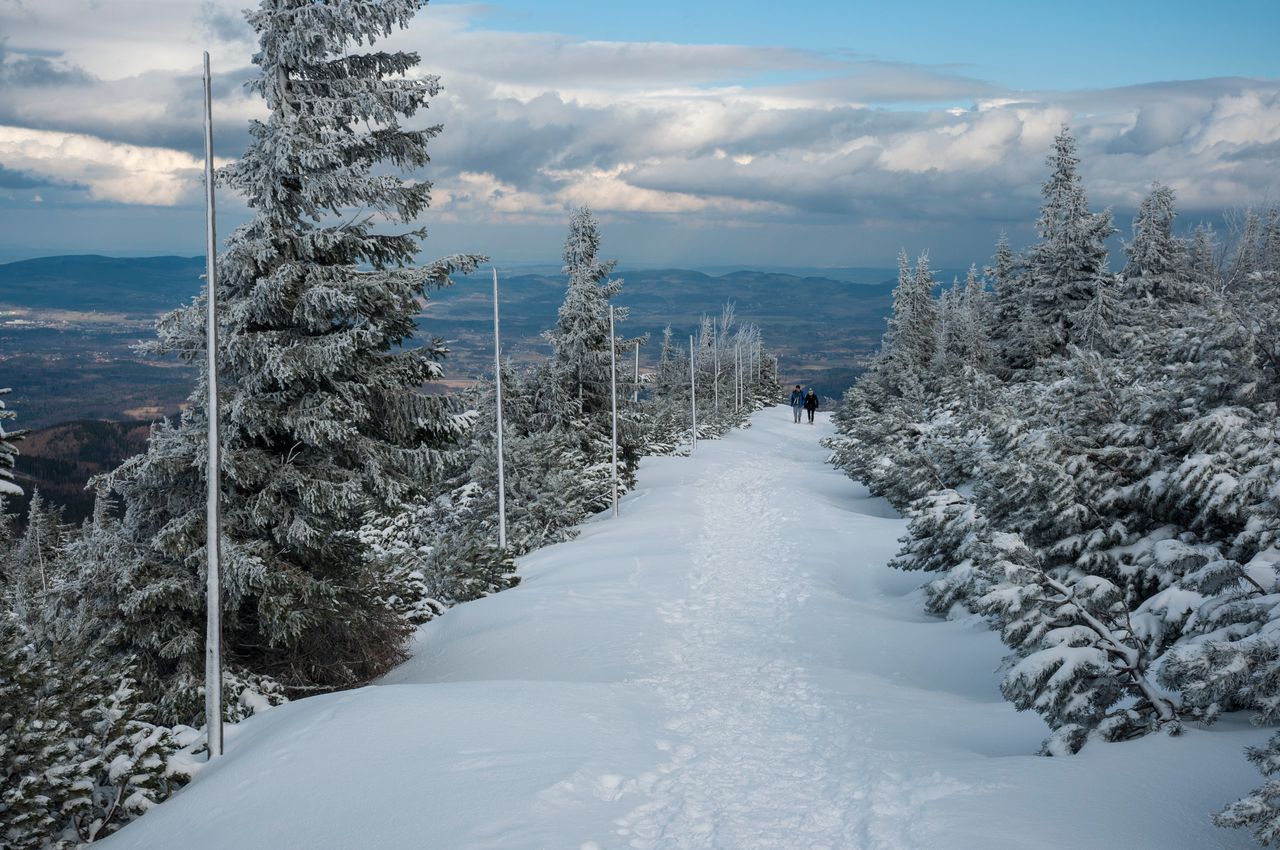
67, 324
140, 287
144, 287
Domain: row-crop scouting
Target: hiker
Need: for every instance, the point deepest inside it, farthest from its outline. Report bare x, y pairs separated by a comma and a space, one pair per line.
797, 402
810, 404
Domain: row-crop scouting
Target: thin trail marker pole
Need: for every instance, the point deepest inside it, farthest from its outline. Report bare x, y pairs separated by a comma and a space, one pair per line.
635, 397
497, 400
213, 513
715, 363
735, 381
693, 391
742, 381
613, 397
737, 378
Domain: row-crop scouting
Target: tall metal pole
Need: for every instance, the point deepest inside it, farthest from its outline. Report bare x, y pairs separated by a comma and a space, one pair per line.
497, 401
715, 363
693, 390
635, 396
737, 376
213, 519
613, 398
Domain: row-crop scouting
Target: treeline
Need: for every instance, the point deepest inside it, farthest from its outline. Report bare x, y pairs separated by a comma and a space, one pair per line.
1091, 462
354, 505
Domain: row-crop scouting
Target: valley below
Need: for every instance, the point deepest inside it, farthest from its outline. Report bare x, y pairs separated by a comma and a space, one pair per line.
69, 328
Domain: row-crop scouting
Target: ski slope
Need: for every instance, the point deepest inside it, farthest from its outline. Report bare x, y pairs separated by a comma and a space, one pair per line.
728, 665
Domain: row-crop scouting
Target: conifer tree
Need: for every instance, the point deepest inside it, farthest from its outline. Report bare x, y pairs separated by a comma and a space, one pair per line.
668, 403
8, 452
1002, 273
977, 321
1071, 258
1095, 323
580, 340
1203, 270
581, 345
80, 754
1271, 242
34, 560
322, 417
1246, 259
1155, 254
912, 337
951, 353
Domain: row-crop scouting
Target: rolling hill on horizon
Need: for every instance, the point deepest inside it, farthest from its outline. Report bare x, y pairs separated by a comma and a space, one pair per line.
68, 324
142, 287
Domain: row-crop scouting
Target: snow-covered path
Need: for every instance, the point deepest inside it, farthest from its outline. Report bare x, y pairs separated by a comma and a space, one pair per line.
729, 665
736, 701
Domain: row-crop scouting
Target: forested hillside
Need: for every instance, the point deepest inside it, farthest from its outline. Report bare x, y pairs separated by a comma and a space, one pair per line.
1089, 456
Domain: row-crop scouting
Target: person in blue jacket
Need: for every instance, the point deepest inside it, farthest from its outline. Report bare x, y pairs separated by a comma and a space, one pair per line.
797, 402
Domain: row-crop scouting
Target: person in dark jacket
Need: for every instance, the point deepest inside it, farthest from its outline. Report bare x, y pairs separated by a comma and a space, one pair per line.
811, 403
797, 402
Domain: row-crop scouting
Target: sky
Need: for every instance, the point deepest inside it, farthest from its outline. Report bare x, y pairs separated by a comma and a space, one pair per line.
702, 132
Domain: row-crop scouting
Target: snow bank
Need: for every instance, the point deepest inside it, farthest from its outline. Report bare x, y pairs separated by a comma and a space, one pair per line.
729, 665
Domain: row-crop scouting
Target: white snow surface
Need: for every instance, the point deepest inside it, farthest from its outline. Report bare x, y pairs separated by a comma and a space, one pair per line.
728, 665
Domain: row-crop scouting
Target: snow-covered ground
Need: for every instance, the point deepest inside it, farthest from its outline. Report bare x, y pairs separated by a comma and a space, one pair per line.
728, 665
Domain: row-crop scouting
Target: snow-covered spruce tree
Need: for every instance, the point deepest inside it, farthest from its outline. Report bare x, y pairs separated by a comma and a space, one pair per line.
719, 342
8, 452
580, 345
895, 428
322, 419
1009, 296
1071, 257
34, 561
950, 352
8, 488
913, 326
1095, 324
964, 320
1203, 269
1246, 260
1259, 810
976, 327
1078, 660
80, 753
667, 403
1271, 242
1156, 256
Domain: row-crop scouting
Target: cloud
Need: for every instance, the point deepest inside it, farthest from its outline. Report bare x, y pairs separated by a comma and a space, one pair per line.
33, 70
709, 135
11, 178
125, 174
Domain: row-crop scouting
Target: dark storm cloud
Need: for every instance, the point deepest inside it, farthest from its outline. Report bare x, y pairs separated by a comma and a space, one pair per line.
14, 179
37, 69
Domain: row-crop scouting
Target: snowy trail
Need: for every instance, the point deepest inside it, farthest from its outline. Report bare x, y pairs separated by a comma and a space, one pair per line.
728, 665
734, 696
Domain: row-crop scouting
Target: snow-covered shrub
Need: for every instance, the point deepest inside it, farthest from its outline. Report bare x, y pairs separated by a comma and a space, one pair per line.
81, 753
